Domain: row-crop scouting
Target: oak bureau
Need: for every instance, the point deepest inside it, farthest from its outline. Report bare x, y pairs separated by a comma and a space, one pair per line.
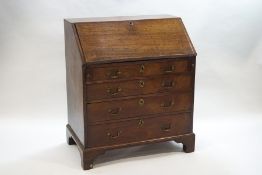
130, 81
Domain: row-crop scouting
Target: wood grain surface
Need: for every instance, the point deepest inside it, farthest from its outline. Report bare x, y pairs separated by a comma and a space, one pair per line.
122, 40
130, 81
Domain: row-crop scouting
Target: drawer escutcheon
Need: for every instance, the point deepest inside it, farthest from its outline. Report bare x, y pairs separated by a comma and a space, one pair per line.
141, 102
142, 68
141, 83
141, 123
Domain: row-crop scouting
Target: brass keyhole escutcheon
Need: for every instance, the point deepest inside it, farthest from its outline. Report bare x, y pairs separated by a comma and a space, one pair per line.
141, 83
141, 102
141, 122
142, 68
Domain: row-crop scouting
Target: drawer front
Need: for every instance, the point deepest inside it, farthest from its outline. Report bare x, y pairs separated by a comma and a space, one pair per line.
166, 83
132, 107
136, 69
139, 130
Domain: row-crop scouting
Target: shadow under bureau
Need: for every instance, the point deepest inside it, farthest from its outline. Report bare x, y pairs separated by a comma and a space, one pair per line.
130, 81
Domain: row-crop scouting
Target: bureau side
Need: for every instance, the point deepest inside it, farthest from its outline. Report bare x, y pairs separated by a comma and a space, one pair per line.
74, 81
193, 59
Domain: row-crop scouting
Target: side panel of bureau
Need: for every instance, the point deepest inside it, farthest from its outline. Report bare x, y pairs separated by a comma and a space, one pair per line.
74, 81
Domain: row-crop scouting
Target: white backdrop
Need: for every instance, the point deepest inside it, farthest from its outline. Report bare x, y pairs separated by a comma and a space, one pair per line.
228, 105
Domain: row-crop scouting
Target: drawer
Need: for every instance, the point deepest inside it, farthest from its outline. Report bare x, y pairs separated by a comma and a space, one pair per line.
117, 71
136, 106
139, 129
166, 83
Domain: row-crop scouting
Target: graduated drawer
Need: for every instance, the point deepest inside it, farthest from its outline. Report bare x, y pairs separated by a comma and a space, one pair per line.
139, 130
165, 83
114, 71
136, 106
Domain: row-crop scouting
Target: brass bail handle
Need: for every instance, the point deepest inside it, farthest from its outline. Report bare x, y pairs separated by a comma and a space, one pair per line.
168, 83
114, 111
114, 74
114, 91
166, 127
169, 69
167, 104
114, 136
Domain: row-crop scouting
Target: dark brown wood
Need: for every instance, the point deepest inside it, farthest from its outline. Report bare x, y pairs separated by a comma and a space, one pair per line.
118, 71
139, 129
130, 81
146, 85
69, 138
188, 142
136, 106
104, 41
88, 155
74, 81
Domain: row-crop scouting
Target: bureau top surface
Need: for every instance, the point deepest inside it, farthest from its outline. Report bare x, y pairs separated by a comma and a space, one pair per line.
117, 39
